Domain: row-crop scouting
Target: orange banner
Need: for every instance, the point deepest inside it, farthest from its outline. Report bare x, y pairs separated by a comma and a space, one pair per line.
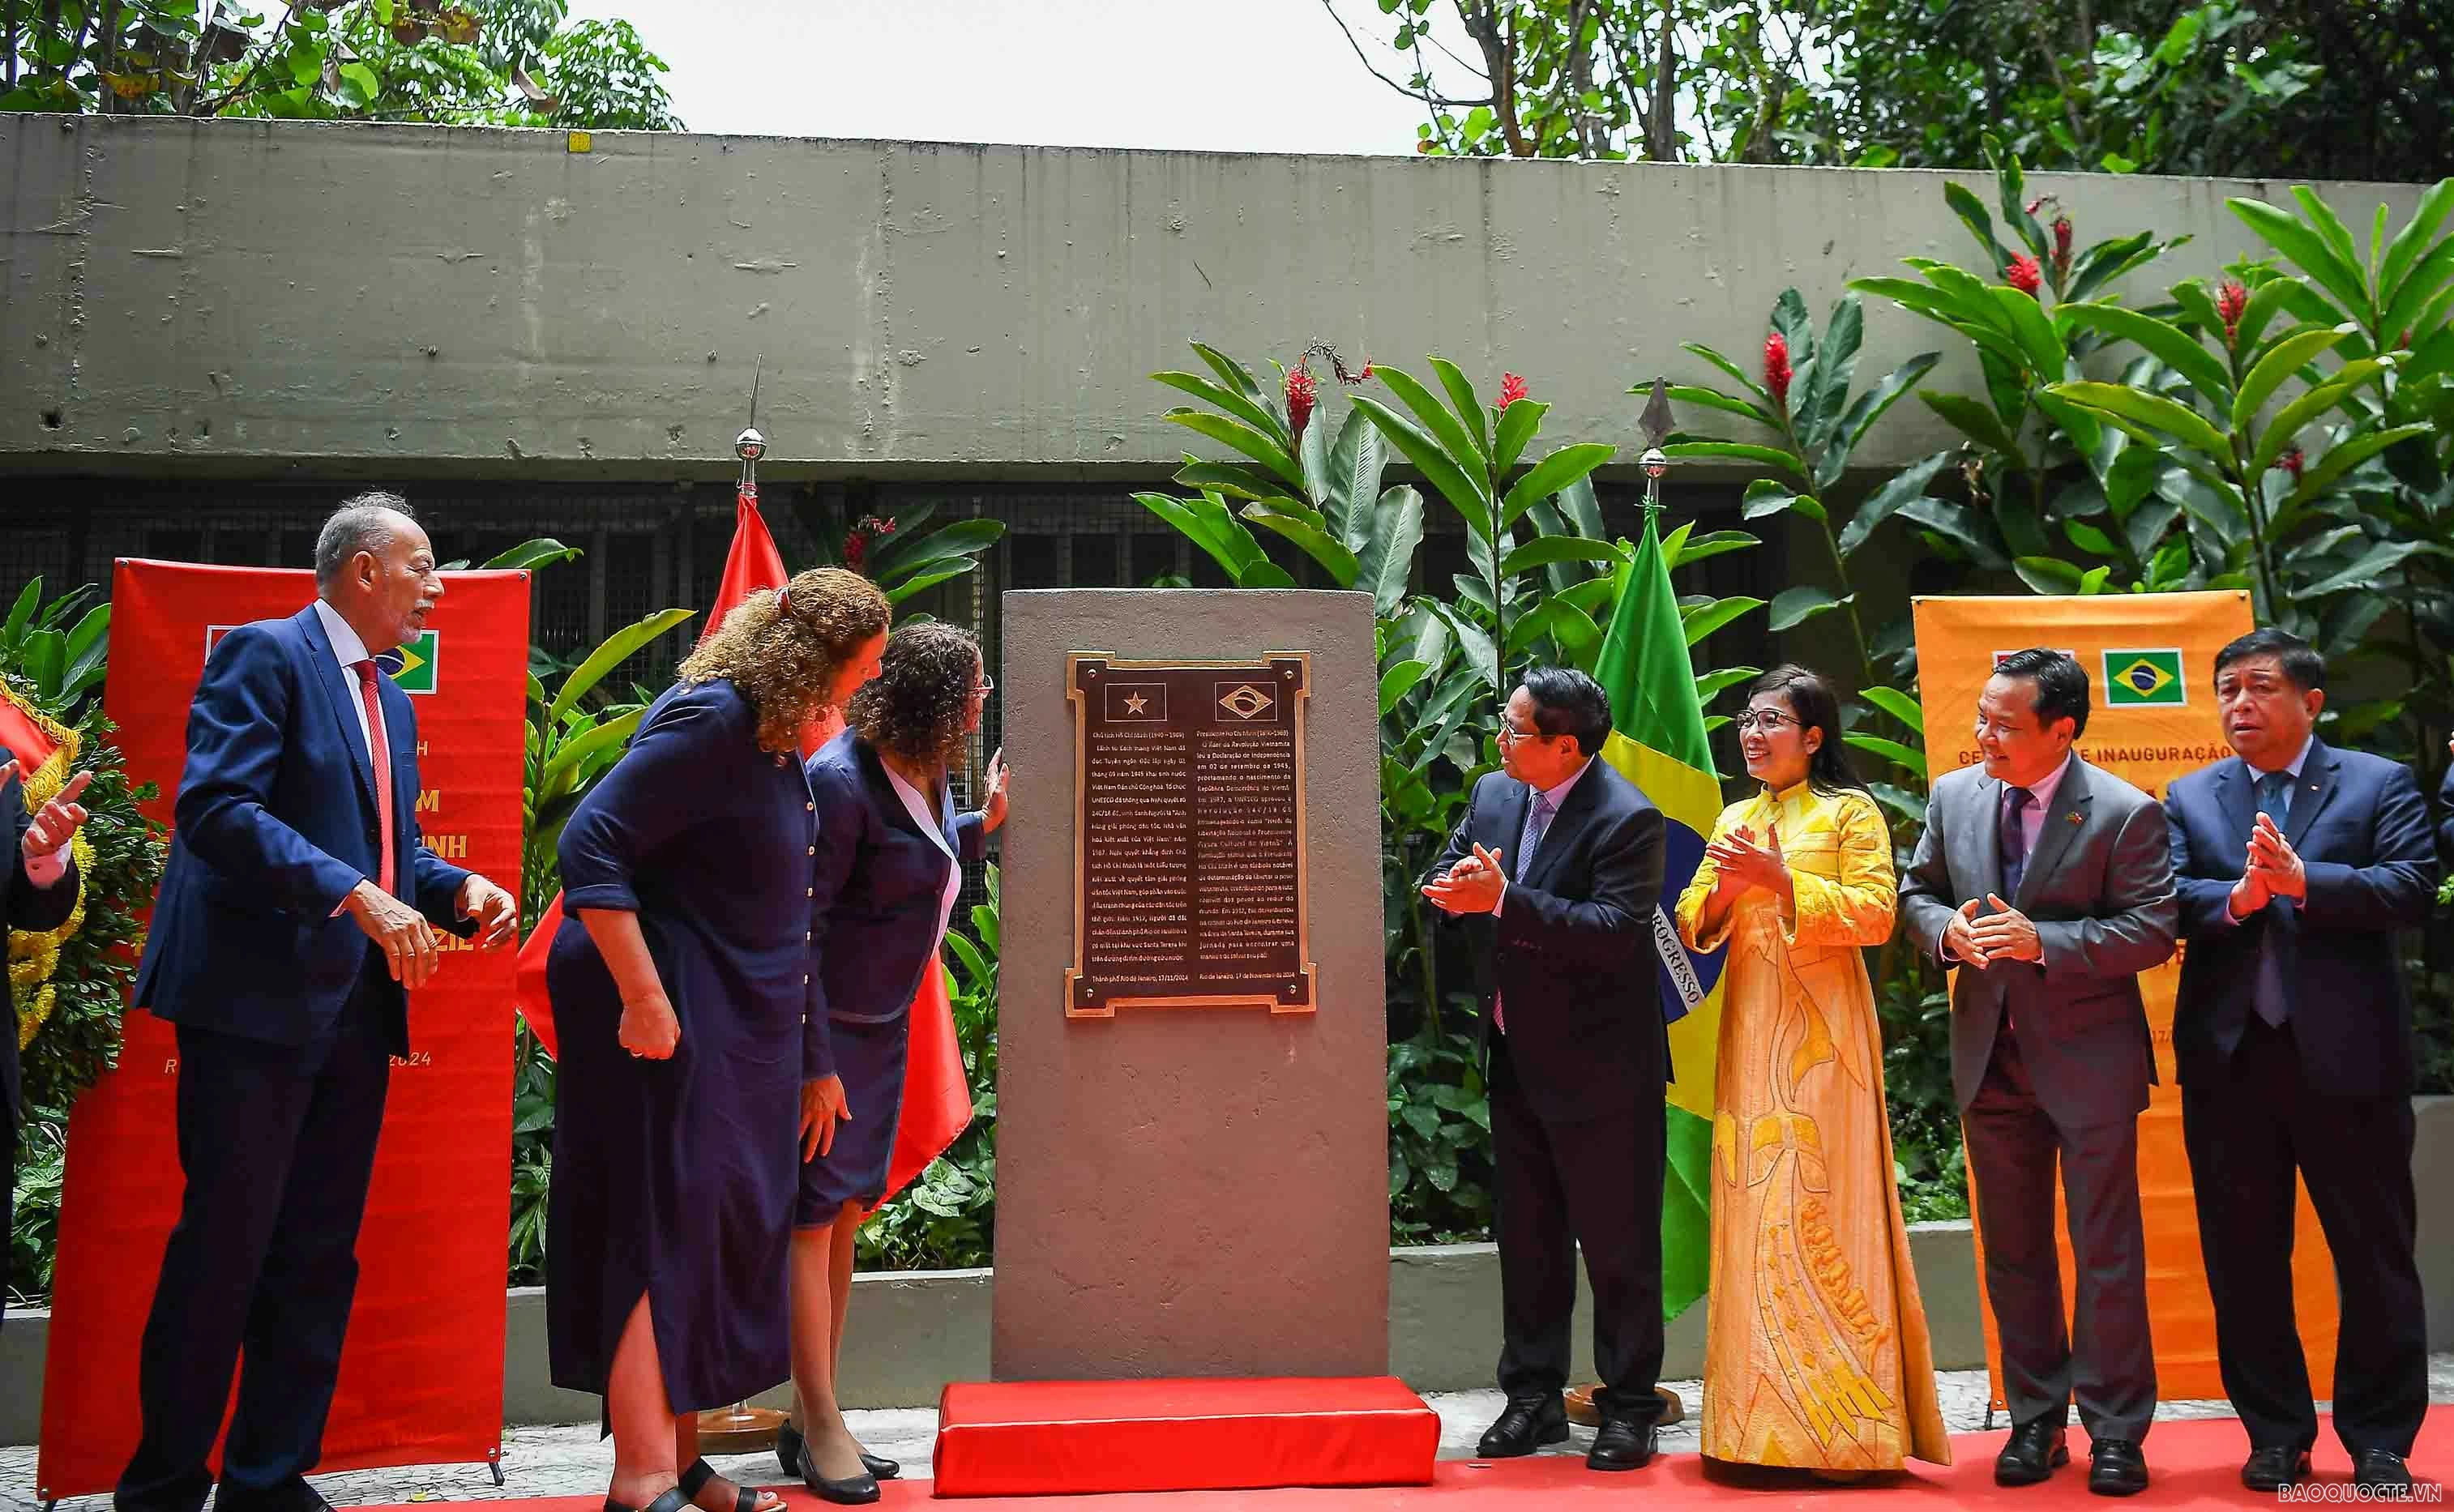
2150, 661
422, 1370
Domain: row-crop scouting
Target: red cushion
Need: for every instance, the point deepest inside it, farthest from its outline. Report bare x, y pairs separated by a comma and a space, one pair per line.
1039, 1438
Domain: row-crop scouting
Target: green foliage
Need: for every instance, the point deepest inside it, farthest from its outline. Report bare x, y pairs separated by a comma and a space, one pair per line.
470, 62
2242, 87
1439, 1136
947, 1218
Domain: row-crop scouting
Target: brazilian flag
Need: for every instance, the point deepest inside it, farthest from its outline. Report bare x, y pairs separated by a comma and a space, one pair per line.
1658, 742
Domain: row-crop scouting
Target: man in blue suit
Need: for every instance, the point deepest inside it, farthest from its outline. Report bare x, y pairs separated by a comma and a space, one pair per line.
2296, 864
297, 910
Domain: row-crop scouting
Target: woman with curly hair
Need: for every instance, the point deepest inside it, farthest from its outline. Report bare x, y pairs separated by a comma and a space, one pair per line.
680, 983
890, 848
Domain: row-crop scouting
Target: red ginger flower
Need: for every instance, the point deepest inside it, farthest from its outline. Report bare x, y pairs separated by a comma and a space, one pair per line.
2063, 231
1512, 389
1776, 368
858, 539
2024, 275
2292, 462
2230, 301
1301, 392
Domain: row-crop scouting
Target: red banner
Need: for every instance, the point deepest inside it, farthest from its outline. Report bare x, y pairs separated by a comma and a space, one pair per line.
422, 1372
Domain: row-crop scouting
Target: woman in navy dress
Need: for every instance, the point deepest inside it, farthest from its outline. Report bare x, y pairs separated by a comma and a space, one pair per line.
680, 985
889, 846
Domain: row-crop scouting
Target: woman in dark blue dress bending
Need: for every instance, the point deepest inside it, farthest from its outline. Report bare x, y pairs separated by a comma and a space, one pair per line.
681, 984
889, 845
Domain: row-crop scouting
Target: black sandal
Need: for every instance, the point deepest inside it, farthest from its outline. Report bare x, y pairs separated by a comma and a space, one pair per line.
699, 1473
674, 1500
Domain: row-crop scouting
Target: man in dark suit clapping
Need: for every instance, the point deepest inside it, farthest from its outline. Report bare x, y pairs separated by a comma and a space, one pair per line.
2296, 864
1555, 871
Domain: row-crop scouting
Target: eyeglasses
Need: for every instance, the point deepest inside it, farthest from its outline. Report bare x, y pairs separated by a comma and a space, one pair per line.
1769, 720
1510, 735
987, 685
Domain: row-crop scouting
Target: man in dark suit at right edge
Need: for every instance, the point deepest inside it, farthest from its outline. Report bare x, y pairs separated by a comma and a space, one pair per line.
2296, 864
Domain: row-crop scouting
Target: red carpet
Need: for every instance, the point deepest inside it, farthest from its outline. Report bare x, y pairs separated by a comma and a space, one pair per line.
2194, 1463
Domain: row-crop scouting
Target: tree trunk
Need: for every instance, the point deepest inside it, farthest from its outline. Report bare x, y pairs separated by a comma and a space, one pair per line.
1661, 123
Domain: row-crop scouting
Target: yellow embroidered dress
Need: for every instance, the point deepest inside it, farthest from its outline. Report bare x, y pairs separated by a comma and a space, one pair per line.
1816, 1354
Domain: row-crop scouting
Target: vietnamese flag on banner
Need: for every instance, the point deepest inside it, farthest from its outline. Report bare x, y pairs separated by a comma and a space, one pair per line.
936, 1090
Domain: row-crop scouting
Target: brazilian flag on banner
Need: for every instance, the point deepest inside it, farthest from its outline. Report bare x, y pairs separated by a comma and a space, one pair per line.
1658, 742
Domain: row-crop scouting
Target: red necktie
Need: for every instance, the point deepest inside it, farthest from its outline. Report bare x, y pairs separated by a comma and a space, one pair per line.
379, 751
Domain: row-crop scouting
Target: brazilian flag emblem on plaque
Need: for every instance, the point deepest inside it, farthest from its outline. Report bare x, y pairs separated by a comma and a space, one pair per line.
416, 671
2145, 679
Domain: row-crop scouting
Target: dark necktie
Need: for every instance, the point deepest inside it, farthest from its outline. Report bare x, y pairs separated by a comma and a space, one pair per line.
2013, 838
2269, 998
1537, 820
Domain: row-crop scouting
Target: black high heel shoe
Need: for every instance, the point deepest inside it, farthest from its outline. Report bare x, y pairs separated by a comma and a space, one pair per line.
852, 1491
788, 1454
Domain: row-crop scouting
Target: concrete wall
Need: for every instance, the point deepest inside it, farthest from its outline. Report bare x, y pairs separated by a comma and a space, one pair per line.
1191, 1191
256, 296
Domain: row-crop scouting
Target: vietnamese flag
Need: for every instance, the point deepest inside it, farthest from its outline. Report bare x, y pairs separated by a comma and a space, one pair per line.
936, 1090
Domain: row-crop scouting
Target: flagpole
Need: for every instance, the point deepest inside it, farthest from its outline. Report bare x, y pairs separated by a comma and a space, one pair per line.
742, 1428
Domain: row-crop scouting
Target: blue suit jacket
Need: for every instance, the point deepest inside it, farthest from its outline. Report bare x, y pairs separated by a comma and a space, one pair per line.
276, 821
879, 885
2362, 829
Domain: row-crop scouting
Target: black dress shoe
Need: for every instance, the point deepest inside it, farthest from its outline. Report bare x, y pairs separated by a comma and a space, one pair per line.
2036, 1450
1621, 1443
2275, 1467
2116, 1467
858, 1490
2381, 1470
1524, 1427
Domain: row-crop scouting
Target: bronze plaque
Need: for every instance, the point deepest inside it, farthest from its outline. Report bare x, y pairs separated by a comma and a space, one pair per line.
1187, 835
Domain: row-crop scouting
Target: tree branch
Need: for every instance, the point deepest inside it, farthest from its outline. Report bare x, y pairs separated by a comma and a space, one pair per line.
1423, 95
1662, 144
2054, 67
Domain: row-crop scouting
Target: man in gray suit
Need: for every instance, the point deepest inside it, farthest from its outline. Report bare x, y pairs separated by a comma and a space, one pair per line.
2047, 880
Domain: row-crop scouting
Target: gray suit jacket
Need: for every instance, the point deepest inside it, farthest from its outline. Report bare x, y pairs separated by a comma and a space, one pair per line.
2099, 887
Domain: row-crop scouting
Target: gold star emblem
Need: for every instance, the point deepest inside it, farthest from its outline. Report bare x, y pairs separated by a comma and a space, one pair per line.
1133, 703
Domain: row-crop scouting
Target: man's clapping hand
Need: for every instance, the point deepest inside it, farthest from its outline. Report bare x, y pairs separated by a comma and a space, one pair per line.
496, 911
1473, 885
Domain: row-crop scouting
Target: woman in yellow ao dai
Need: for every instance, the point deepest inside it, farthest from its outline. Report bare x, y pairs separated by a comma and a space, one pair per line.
1816, 1355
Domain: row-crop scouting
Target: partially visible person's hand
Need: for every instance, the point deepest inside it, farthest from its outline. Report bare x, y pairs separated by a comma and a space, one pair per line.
649, 1030
55, 822
822, 1107
496, 911
2006, 933
1959, 936
993, 808
408, 940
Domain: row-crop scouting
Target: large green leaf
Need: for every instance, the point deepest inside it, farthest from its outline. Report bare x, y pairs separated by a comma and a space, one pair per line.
1208, 523
2108, 260
1238, 479
1972, 420
2039, 342
29, 599
1307, 532
1583, 510
2308, 249
1835, 367
1355, 460
1891, 750
2415, 237
1250, 411
1910, 483
2168, 343
2329, 225
1713, 544
1312, 451
1437, 466
2048, 575
1257, 445
1714, 399
1740, 452
2367, 572
1792, 607
1550, 475
1398, 681
1869, 409
2282, 295
615, 648
1518, 424
924, 578
1711, 616
2277, 438
1236, 376
904, 555
542, 552
1711, 685
2346, 455
1443, 425
2428, 276
1972, 213
1738, 373
1545, 550
1468, 406
2151, 409
1899, 705
561, 771
2275, 365
1962, 527
1387, 556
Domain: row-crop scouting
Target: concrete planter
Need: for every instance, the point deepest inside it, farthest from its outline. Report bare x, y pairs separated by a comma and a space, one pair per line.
913, 1331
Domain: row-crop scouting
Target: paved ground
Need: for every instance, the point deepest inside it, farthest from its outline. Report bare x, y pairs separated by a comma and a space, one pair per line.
572, 1462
